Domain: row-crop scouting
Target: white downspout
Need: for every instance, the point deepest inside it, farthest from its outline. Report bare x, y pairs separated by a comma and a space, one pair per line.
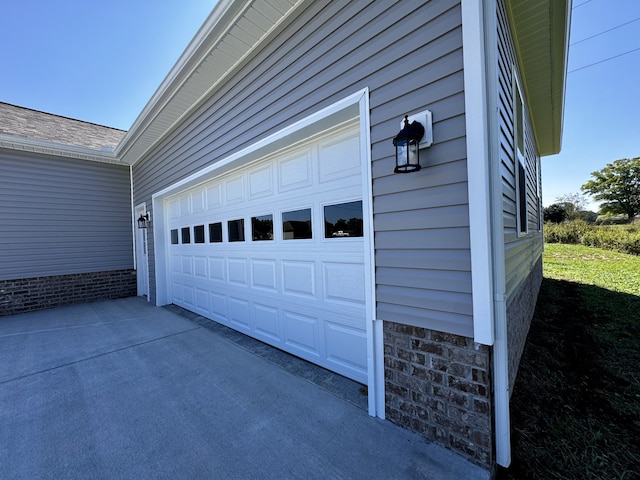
479, 32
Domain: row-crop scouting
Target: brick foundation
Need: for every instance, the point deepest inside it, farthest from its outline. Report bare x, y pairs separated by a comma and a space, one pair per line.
519, 315
439, 385
27, 294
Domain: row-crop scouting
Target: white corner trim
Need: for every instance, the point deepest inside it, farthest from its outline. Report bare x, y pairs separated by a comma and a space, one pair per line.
478, 169
479, 33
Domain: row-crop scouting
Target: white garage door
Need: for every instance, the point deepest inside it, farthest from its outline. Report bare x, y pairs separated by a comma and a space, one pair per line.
276, 251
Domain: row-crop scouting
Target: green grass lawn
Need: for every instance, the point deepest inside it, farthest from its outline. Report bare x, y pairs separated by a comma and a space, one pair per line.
576, 403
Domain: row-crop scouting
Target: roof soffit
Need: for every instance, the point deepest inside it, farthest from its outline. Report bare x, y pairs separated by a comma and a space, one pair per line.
541, 37
232, 32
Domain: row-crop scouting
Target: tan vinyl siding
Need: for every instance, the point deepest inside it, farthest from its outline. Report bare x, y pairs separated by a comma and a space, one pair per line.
521, 251
409, 56
62, 216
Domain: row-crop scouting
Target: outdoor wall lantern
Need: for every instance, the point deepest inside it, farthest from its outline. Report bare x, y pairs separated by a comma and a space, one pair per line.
144, 221
416, 133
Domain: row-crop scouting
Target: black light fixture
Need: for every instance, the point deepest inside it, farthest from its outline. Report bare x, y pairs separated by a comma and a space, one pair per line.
407, 143
144, 221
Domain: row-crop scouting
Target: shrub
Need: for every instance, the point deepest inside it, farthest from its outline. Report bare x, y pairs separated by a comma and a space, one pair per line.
621, 238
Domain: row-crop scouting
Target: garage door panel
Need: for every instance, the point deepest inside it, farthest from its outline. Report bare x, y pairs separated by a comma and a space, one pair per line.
218, 305
202, 300
294, 172
261, 183
234, 190
188, 296
186, 262
263, 275
238, 271
239, 312
339, 159
304, 295
298, 278
198, 200
214, 196
200, 267
346, 346
216, 269
343, 282
301, 332
185, 205
266, 321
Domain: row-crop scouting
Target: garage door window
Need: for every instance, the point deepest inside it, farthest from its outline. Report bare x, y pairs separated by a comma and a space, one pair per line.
236, 230
174, 236
262, 227
343, 220
186, 235
296, 224
198, 234
215, 232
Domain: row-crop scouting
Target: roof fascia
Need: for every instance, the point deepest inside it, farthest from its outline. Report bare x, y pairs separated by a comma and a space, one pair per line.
43, 147
178, 73
218, 24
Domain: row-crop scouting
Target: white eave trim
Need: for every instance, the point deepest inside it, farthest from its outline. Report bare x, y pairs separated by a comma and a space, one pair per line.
44, 147
211, 34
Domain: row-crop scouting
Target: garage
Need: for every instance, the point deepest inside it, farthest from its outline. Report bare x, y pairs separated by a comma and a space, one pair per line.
277, 249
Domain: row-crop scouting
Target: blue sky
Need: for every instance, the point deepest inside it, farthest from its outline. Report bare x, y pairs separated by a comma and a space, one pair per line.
601, 120
101, 61
98, 61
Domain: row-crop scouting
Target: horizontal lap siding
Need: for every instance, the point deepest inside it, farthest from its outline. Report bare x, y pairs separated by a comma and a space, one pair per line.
62, 216
521, 252
410, 58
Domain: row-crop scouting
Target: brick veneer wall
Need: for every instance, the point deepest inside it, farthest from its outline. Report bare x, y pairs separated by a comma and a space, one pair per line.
439, 385
28, 294
519, 315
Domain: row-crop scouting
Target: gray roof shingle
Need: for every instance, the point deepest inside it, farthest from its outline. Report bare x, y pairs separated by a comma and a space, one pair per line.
33, 124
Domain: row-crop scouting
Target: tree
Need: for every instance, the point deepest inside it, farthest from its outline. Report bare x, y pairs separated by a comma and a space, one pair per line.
555, 213
618, 185
572, 203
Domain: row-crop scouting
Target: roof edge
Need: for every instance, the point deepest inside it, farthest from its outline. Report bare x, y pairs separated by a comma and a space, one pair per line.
170, 85
12, 142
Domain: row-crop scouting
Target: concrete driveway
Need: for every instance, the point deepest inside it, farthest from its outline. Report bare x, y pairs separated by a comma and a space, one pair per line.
123, 390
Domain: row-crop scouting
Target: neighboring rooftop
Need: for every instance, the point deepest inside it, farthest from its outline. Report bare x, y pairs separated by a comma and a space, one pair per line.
32, 124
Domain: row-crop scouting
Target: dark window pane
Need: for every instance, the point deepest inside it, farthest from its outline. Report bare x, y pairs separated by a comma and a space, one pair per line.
186, 235
262, 227
236, 230
522, 197
198, 234
174, 236
343, 220
215, 232
296, 224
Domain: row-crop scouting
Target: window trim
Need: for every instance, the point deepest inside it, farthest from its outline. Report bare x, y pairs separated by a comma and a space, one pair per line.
520, 157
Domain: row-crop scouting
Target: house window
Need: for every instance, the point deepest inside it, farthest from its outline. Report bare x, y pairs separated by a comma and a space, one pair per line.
186, 235
236, 230
174, 236
521, 171
262, 227
198, 234
215, 232
296, 224
343, 220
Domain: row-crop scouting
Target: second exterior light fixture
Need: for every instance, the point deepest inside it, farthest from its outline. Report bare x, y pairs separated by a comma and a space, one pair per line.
410, 139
